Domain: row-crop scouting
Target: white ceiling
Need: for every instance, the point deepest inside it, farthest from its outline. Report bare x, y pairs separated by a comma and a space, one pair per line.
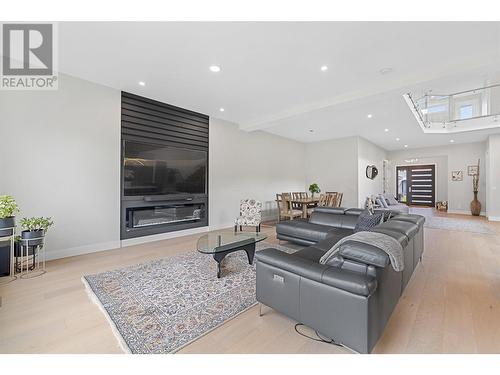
271, 78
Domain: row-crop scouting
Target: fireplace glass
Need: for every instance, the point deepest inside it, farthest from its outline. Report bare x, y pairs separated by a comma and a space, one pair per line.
165, 214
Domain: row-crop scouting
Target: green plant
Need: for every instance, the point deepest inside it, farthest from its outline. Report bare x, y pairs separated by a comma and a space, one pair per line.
8, 206
36, 223
314, 188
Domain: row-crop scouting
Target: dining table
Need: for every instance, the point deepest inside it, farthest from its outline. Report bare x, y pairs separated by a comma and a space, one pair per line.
305, 203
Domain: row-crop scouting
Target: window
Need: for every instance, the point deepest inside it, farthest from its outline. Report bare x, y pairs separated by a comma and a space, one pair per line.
437, 108
466, 111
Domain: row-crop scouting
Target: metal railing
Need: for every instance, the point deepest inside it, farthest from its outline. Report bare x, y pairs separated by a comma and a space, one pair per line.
460, 111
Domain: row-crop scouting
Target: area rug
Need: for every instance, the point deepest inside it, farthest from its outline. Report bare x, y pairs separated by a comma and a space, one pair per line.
163, 305
461, 225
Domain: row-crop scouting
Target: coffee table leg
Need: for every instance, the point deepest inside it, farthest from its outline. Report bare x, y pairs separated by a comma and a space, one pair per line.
218, 258
250, 250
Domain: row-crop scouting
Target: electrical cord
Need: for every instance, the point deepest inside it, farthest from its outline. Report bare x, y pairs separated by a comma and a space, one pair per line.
317, 338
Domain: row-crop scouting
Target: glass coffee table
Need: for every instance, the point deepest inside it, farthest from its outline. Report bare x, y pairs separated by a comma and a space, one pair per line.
219, 244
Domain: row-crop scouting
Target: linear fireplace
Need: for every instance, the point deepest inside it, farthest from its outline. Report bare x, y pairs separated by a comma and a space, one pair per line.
164, 168
142, 217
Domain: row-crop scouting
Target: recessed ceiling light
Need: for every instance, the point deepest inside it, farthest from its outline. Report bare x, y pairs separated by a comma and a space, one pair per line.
215, 68
142, 83
311, 130
385, 71
324, 68
386, 130
369, 115
406, 146
221, 109
398, 139
452, 141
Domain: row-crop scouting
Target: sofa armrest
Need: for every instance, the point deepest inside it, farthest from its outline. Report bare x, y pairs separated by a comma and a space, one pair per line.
364, 253
290, 263
350, 281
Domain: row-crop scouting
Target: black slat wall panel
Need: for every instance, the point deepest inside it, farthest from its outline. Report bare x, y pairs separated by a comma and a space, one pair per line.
150, 120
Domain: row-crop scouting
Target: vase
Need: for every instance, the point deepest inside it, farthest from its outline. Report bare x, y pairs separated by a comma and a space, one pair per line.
475, 206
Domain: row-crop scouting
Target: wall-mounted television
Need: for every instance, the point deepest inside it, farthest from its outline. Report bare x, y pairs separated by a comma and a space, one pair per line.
151, 169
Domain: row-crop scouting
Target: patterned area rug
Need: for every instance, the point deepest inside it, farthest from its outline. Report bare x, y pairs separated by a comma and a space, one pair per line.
163, 305
461, 225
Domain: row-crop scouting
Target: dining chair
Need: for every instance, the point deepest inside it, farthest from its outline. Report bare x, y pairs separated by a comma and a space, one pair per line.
339, 199
279, 203
287, 209
323, 200
296, 196
332, 198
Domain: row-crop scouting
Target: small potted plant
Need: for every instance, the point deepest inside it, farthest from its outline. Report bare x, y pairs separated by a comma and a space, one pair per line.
314, 188
8, 211
35, 228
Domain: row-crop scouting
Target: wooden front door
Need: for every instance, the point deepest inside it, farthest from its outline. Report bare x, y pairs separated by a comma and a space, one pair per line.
416, 185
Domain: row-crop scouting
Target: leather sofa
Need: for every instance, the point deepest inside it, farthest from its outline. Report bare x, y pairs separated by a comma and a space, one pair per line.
350, 300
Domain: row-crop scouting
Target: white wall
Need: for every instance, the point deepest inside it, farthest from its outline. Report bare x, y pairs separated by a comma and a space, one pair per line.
493, 177
250, 165
333, 164
369, 154
459, 194
60, 157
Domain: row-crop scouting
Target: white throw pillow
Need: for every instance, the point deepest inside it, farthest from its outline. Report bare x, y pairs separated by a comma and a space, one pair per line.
392, 201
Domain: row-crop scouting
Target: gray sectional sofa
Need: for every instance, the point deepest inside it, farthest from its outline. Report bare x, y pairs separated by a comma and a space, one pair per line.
350, 300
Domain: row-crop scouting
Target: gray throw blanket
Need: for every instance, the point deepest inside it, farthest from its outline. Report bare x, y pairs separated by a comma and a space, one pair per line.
382, 241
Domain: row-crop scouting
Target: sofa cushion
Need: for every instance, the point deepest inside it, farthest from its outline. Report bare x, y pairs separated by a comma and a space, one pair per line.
367, 221
303, 229
324, 218
409, 229
349, 281
334, 236
330, 210
416, 219
400, 237
311, 253
349, 221
354, 211
364, 253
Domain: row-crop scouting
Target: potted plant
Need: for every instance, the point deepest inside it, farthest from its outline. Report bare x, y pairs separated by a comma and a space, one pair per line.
35, 228
8, 211
314, 188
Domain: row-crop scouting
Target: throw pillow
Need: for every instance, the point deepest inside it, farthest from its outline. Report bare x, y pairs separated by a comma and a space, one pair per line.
383, 202
387, 215
390, 199
366, 221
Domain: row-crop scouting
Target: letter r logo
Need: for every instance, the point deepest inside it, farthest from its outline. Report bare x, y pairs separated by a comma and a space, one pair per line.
27, 49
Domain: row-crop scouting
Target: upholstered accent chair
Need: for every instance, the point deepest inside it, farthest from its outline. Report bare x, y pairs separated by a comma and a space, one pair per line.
250, 214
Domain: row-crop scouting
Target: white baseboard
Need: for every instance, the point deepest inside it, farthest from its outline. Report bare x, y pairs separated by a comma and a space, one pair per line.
464, 212
80, 250
494, 218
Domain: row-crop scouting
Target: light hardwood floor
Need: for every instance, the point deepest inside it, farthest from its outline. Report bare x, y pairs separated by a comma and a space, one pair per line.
452, 305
